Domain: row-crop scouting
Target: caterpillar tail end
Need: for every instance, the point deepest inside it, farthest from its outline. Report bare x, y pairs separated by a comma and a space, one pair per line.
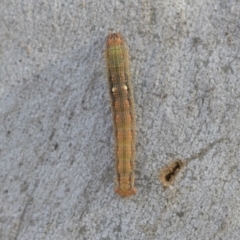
125, 192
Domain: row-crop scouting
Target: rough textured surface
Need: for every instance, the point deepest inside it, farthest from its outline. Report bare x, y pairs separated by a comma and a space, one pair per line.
56, 138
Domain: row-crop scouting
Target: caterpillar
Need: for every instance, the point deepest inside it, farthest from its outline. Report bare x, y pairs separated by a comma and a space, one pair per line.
123, 112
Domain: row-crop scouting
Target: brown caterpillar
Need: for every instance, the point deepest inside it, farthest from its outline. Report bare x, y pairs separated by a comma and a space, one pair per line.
121, 95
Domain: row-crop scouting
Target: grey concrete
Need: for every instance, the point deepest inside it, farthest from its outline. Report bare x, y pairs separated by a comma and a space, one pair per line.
56, 136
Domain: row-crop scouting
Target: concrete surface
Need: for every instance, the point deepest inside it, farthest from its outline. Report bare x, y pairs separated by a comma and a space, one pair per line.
56, 137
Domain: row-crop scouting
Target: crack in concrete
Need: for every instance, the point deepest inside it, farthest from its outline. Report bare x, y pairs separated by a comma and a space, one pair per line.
204, 151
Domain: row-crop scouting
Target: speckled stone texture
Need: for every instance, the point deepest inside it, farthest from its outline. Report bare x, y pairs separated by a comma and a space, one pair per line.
56, 133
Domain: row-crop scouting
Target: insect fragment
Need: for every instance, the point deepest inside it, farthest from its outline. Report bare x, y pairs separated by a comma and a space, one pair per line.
169, 173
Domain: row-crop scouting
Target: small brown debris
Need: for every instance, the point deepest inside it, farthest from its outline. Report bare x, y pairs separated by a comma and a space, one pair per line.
169, 173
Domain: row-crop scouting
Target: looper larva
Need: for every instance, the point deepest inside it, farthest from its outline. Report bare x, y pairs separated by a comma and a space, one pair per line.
121, 94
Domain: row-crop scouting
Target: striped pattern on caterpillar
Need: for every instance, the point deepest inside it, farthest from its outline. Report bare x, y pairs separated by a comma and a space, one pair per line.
123, 112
